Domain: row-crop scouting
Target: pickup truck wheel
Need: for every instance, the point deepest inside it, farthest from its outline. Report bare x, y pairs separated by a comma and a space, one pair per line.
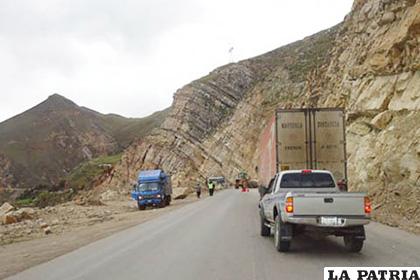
281, 245
352, 244
265, 230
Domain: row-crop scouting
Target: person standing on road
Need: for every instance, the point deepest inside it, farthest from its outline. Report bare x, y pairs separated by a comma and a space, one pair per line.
211, 188
198, 190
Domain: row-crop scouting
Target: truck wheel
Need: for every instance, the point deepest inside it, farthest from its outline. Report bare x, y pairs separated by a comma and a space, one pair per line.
162, 203
281, 245
352, 244
168, 200
265, 230
141, 207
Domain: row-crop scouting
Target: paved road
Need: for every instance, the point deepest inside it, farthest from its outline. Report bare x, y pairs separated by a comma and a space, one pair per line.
218, 238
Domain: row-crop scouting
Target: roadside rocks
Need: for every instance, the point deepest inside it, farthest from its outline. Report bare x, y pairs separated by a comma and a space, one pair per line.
43, 225
88, 201
9, 219
5, 208
109, 195
5, 215
47, 230
25, 214
180, 193
9, 215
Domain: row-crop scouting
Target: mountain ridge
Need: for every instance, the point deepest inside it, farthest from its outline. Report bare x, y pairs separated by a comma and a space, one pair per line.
44, 143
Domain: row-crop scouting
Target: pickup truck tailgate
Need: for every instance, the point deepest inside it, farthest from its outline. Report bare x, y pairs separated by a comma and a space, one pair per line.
325, 204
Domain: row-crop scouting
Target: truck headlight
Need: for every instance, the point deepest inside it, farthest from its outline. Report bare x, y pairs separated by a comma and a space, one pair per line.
140, 197
158, 196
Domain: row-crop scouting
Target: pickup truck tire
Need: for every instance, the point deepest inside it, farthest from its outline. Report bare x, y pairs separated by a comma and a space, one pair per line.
265, 230
353, 244
281, 245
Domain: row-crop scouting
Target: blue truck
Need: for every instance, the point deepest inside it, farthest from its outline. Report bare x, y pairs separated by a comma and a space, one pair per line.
153, 188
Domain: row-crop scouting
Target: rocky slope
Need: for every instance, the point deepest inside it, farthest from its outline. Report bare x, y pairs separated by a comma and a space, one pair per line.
215, 121
43, 144
369, 64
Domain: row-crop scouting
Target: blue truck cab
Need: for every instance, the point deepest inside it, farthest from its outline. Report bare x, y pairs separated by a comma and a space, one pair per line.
153, 188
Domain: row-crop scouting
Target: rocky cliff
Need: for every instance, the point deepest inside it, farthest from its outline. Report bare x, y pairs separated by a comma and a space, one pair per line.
369, 64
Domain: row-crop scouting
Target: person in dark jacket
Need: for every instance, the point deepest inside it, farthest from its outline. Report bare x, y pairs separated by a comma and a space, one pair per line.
198, 190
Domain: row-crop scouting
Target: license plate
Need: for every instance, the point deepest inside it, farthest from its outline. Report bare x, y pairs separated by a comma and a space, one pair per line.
332, 221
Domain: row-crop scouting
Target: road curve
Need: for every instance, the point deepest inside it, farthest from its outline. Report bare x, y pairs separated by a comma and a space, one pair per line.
218, 238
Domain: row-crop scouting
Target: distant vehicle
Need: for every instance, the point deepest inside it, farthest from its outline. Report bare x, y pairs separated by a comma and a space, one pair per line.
153, 188
242, 180
218, 180
301, 201
304, 139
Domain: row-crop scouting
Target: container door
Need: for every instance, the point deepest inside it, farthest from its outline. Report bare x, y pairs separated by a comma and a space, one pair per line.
292, 145
328, 137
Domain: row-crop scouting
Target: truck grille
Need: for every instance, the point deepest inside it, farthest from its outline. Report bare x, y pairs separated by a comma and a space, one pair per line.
148, 196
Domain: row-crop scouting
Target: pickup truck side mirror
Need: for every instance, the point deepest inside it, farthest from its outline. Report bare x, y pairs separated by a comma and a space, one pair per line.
134, 187
263, 190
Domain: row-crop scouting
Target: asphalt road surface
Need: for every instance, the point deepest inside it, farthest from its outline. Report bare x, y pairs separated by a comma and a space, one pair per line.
218, 238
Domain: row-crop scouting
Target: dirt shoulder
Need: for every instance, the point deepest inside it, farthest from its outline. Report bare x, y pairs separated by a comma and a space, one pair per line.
25, 244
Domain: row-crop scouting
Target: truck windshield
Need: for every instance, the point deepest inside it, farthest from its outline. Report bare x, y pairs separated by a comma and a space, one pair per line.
148, 187
309, 180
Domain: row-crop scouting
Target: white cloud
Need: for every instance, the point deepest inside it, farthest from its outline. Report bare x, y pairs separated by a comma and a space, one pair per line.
129, 57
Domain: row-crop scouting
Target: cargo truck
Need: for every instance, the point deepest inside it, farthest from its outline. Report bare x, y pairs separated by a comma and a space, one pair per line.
302, 156
153, 188
304, 139
242, 180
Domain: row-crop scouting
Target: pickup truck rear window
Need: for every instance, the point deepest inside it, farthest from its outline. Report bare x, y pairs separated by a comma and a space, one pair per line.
309, 180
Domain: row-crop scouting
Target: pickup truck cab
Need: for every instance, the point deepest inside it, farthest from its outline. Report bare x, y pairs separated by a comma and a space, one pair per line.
299, 201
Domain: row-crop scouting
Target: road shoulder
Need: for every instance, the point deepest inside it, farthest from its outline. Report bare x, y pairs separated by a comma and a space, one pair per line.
20, 256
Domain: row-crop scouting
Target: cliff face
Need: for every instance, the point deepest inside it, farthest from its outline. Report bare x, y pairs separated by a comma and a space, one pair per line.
215, 121
376, 75
369, 64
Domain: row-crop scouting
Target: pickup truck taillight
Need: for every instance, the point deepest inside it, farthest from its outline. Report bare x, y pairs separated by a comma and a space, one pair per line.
289, 205
368, 205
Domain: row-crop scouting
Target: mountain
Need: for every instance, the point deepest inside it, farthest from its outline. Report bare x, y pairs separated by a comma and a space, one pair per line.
369, 64
45, 143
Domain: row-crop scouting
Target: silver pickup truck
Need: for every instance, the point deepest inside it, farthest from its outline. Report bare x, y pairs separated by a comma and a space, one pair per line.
301, 201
